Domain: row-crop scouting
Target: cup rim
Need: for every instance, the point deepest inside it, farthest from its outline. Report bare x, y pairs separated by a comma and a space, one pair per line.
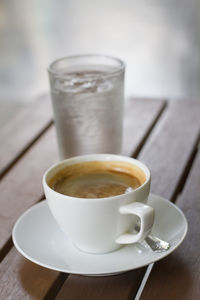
140, 164
57, 73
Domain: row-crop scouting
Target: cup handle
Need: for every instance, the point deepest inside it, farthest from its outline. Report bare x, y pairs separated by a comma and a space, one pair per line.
146, 215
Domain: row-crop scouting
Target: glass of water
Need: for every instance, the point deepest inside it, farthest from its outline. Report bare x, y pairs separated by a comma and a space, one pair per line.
87, 93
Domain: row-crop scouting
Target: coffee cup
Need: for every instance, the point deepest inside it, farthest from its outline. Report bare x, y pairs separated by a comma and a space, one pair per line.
98, 199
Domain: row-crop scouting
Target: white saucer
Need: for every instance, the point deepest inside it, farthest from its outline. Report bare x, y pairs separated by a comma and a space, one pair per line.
37, 237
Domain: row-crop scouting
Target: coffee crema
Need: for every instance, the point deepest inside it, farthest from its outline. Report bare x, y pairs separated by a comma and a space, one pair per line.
97, 179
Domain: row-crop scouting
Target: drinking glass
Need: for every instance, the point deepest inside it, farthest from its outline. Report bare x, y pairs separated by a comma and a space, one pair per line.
87, 93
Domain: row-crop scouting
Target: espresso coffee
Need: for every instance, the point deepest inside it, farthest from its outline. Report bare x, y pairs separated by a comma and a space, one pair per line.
97, 179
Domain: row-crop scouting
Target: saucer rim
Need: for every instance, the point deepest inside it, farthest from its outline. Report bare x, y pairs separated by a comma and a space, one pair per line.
63, 270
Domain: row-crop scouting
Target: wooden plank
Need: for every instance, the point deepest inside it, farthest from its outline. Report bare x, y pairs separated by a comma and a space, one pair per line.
170, 147
23, 129
98, 288
33, 280
176, 132
178, 276
140, 117
21, 186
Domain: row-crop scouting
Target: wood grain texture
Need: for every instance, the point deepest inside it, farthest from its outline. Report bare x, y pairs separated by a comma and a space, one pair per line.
23, 129
117, 287
166, 152
140, 117
33, 280
170, 147
178, 276
22, 186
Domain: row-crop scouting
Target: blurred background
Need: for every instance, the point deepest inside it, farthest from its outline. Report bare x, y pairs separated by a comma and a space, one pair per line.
158, 39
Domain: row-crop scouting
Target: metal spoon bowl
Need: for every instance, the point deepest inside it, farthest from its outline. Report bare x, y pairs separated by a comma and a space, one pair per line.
155, 243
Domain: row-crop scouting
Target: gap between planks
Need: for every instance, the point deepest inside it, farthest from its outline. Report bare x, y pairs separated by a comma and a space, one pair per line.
23, 130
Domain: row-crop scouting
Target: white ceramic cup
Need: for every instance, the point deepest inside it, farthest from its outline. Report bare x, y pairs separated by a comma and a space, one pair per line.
103, 224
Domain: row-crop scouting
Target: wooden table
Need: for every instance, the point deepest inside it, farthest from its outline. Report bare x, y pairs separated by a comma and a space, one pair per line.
164, 135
